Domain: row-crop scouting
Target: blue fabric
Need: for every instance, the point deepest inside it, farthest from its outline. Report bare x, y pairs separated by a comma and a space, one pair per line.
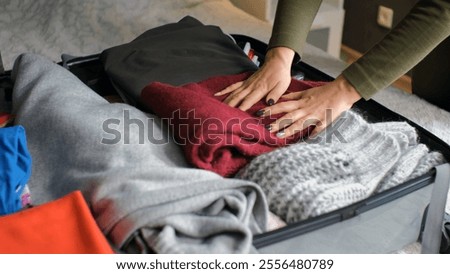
15, 168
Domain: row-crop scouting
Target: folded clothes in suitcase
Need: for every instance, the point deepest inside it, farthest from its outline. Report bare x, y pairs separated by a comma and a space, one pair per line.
142, 193
382, 223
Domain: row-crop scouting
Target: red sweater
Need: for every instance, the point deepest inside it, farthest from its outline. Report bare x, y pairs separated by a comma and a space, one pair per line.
215, 136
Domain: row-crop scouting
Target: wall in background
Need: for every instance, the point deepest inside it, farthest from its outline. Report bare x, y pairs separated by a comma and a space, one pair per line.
326, 30
361, 30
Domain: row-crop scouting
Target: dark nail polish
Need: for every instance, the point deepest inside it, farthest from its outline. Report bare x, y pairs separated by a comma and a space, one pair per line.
260, 113
268, 127
270, 102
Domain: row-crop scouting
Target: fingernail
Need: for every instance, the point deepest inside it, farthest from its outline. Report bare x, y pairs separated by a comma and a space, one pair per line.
268, 127
260, 112
280, 134
270, 102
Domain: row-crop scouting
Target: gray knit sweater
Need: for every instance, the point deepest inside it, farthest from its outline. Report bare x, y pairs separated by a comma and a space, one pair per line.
346, 163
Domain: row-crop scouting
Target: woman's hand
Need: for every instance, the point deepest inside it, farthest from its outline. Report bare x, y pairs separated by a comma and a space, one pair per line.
317, 106
272, 79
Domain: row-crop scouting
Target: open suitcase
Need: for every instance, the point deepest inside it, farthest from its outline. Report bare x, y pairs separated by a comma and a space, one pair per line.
384, 223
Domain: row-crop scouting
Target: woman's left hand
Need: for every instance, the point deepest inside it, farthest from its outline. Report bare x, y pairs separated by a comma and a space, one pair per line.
318, 106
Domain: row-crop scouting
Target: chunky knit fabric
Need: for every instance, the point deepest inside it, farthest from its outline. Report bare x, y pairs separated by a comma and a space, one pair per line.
346, 163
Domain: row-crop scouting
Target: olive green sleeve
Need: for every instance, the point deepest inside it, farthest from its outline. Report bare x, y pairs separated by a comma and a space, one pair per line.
427, 25
292, 23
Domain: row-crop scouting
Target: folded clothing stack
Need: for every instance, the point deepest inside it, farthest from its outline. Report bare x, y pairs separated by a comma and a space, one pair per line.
347, 162
215, 136
141, 191
177, 53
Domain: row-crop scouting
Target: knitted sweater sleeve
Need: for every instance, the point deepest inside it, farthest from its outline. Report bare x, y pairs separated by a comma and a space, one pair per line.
427, 25
292, 23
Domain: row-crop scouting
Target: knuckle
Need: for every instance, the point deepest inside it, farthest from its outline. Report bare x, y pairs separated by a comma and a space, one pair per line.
284, 122
289, 116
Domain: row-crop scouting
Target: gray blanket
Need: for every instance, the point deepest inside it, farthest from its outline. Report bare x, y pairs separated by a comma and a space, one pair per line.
131, 173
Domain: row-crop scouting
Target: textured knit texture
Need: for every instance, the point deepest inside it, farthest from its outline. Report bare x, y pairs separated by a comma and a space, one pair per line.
346, 163
133, 176
215, 136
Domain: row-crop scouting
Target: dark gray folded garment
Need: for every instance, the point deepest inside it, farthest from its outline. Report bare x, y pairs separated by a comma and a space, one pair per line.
131, 173
177, 53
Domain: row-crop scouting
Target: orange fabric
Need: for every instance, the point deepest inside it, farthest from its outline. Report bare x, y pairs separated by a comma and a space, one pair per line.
63, 226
